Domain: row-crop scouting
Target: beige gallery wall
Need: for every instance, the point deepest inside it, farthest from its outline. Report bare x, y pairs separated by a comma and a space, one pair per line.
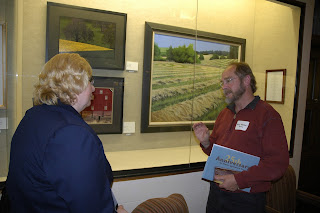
268, 46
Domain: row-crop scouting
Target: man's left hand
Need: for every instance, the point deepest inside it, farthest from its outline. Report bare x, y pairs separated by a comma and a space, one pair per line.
228, 182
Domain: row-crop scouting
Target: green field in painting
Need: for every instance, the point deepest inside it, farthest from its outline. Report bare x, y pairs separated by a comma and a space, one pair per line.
90, 26
185, 92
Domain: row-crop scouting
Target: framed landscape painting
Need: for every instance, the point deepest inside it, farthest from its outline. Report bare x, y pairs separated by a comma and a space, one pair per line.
181, 76
104, 114
97, 35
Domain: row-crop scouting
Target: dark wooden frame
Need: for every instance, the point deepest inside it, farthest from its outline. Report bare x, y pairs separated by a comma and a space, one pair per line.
55, 10
117, 108
268, 72
150, 28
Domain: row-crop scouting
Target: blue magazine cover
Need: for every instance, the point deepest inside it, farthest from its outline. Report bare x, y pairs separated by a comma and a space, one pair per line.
224, 160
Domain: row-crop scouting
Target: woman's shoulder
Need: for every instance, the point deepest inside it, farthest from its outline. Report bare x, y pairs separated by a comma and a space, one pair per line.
54, 112
54, 117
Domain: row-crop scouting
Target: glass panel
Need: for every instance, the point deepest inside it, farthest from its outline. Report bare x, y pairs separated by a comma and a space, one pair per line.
224, 33
181, 52
264, 25
3, 100
167, 85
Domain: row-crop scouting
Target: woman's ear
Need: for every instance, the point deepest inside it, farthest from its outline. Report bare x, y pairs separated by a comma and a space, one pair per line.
75, 101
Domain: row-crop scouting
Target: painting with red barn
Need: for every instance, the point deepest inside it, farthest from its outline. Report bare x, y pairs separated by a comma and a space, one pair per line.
100, 110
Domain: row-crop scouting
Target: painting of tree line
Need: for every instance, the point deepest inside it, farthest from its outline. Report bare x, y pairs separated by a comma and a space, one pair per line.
87, 36
185, 81
97, 35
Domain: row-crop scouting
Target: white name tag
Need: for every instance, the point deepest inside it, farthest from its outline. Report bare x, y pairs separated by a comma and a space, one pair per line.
242, 125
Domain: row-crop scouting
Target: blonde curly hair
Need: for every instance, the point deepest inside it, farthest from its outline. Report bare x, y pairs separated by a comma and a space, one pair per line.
63, 77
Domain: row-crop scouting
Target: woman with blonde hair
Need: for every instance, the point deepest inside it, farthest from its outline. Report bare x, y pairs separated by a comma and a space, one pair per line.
57, 162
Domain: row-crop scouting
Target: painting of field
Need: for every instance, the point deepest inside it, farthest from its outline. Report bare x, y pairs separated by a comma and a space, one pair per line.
185, 82
86, 36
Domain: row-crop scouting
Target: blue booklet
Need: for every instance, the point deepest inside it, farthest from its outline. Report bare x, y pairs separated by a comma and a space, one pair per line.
224, 160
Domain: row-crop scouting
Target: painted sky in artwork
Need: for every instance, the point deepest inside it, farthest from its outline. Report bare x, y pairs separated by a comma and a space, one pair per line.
174, 41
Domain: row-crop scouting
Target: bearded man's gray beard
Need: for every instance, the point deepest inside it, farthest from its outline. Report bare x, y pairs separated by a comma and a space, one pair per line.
235, 95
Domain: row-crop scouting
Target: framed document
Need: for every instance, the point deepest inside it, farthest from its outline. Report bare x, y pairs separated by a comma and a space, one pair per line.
275, 86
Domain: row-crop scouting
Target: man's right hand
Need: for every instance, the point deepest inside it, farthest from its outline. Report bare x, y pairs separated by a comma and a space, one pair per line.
202, 133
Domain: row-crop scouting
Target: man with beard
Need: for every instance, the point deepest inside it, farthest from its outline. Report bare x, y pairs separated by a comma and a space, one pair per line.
249, 125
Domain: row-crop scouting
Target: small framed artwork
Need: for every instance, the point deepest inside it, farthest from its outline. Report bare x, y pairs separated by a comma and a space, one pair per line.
181, 76
3, 65
97, 35
275, 86
104, 114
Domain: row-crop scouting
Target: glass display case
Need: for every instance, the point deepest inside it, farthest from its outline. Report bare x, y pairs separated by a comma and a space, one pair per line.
174, 54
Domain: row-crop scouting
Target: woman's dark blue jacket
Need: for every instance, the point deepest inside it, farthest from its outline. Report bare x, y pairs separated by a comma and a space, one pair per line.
57, 164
